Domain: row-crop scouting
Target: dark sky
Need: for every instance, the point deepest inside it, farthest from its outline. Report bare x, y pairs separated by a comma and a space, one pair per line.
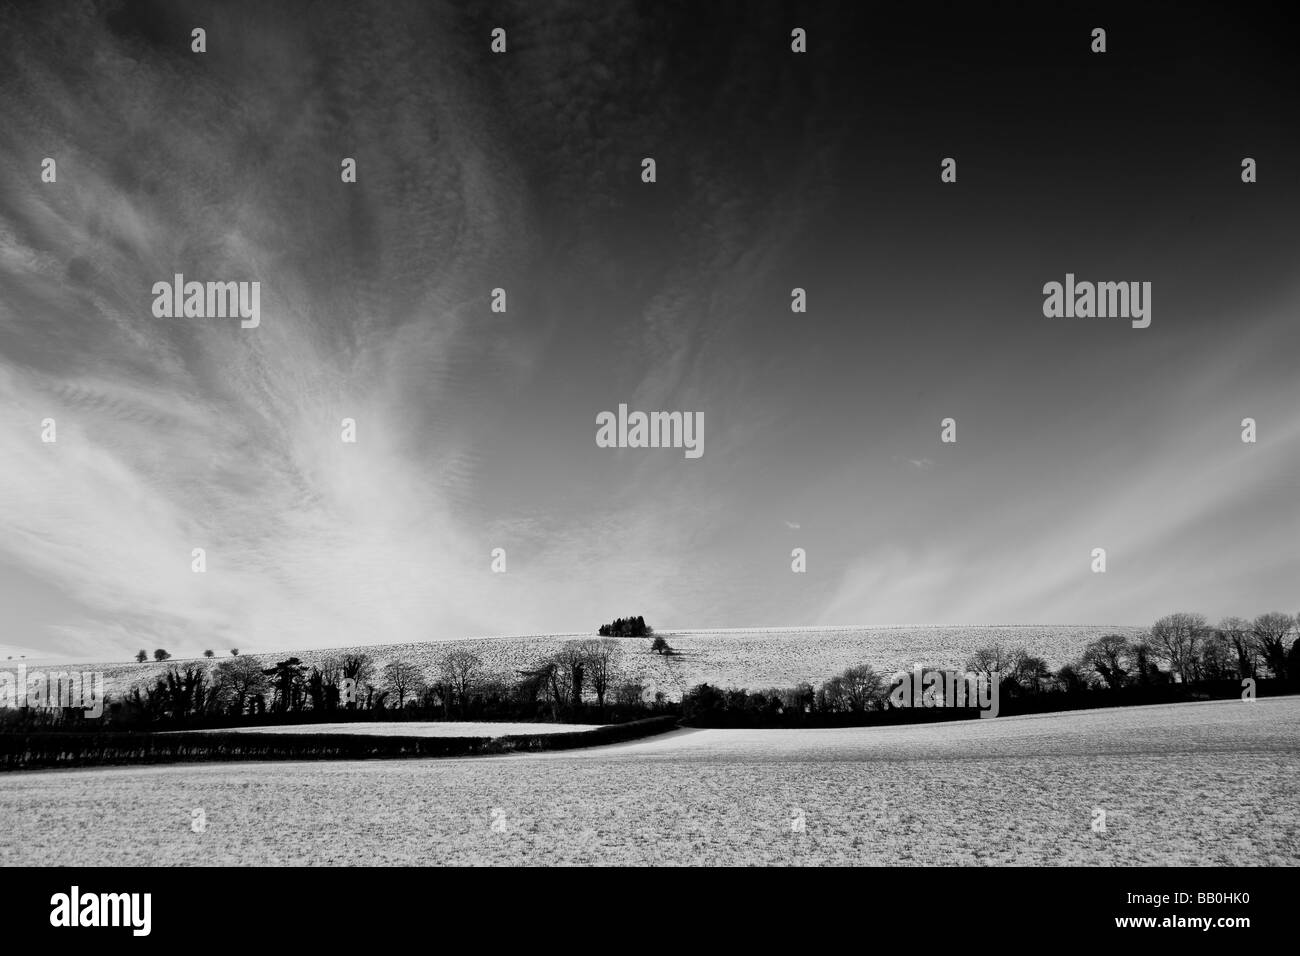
476, 430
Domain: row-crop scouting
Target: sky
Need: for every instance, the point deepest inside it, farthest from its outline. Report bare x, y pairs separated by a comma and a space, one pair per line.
476, 429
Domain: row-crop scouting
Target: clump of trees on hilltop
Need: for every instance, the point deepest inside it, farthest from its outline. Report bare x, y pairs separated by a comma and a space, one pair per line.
626, 627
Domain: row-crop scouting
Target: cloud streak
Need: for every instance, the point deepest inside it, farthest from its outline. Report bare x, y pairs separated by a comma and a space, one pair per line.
475, 429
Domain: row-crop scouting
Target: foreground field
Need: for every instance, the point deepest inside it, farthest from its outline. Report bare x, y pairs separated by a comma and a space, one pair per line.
1206, 783
754, 659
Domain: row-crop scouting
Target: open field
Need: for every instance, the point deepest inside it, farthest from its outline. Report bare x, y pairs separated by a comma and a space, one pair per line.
1203, 783
754, 659
409, 728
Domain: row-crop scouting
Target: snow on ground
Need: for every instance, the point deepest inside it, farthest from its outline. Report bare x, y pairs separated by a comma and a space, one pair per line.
1181, 784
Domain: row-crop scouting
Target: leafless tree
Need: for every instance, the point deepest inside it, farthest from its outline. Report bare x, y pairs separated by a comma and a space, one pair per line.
1029, 672
860, 688
1270, 632
1109, 657
1073, 678
460, 669
1176, 640
359, 669
572, 661
799, 698
990, 658
1216, 660
602, 664
402, 679
1145, 670
1237, 631
240, 678
629, 694
830, 696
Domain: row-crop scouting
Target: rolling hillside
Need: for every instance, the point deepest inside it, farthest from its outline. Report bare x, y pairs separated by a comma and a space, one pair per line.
753, 658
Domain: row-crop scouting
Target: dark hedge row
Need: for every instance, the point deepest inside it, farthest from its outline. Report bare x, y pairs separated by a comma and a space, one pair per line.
43, 750
609, 734
1010, 705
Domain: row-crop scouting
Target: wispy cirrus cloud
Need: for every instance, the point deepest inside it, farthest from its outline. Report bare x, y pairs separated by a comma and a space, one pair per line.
475, 429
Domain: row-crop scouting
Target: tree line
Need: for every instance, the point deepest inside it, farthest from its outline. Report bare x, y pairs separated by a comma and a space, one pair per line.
1180, 657
585, 680
581, 680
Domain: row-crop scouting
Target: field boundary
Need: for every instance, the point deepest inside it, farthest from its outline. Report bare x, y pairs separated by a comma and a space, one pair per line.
52, 750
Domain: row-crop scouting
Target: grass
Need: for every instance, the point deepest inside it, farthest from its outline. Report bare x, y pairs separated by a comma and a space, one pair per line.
1203, 783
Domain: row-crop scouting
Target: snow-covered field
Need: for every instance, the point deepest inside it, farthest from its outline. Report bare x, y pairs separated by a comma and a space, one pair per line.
412, 728
1204, 783
756, 659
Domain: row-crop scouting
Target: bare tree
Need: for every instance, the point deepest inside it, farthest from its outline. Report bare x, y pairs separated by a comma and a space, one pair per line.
402, 679
1237, 631
331, 681
1074, 678
860, 688
460, 669
1146, 671
241, 678
1176, 640
799, 698
990, 658
602, 663
572, 661
360, 670
830, 696
1109, 657
629, 694
1216, 660
1029, 672
1270, 632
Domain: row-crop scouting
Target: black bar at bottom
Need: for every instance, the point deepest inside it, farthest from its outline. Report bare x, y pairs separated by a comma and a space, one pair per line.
331, 906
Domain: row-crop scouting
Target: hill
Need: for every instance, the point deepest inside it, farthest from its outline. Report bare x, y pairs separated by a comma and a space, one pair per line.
753, 658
